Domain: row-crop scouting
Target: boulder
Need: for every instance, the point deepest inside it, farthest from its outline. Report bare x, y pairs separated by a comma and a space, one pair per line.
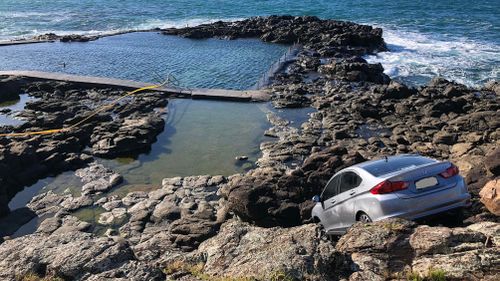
490, 196
97, 178
241, 250
10, 88
380, 237
427, 240
444, 138
166, 210
396, 90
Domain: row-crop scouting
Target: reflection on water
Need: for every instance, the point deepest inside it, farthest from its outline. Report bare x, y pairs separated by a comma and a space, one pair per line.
66, 182
8, 110
30, 227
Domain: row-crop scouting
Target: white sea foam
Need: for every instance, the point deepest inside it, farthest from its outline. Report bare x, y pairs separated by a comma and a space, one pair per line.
160, 23
147, 25
415, 57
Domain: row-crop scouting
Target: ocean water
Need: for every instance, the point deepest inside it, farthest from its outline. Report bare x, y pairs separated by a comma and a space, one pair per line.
457, 39
151, 57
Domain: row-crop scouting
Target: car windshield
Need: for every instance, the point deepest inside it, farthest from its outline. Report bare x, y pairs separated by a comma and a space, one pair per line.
383, 167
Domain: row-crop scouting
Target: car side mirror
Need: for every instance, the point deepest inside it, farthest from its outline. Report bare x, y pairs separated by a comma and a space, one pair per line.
316, 199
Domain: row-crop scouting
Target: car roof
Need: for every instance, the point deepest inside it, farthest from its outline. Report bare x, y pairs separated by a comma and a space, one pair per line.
391, 164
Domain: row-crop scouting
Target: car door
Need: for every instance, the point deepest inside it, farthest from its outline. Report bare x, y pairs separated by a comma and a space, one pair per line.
331, 219
345, 199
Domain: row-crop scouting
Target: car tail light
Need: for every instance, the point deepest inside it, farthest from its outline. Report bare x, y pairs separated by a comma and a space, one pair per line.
450, 172
389, 186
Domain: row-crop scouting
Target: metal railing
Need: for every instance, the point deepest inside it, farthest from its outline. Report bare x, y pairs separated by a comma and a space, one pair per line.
289, 56
175, 83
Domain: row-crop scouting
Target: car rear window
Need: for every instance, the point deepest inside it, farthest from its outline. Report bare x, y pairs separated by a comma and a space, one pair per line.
383, 167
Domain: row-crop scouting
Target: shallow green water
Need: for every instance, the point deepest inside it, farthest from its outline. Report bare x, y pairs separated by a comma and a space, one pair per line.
200, 137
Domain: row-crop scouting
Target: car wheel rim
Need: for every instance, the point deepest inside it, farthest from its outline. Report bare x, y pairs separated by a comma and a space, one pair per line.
364, 218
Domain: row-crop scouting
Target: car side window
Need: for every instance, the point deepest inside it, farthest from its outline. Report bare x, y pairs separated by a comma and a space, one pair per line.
331, 188
349, 181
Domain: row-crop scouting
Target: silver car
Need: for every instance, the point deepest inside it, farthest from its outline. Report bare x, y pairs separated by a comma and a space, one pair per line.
405, 186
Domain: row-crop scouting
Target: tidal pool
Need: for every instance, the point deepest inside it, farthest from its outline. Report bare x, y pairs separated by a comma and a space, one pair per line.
200, 137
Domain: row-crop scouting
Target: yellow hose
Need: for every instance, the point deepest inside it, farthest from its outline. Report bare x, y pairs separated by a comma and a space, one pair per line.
94, 113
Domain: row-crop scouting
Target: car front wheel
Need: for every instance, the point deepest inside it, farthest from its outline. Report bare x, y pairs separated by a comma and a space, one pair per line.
364, 218
321, 232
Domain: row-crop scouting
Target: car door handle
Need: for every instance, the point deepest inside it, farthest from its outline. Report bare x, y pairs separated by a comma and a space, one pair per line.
352, 192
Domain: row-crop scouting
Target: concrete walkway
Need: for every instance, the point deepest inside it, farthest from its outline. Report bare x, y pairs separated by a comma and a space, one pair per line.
194, 93
22, 42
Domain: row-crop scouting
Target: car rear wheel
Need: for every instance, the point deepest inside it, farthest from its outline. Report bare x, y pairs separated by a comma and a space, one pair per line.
362, 217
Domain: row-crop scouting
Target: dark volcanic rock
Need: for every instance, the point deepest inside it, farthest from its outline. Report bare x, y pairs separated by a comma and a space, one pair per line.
310, 31
10, 88
285, 199
355, 71
77, 38
134, 135
23, 160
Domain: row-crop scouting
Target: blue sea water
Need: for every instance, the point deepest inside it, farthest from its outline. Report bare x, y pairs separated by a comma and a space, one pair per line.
151, 57
457, 39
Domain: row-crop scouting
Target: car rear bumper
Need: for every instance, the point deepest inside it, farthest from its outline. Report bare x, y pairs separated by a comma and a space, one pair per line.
460, 202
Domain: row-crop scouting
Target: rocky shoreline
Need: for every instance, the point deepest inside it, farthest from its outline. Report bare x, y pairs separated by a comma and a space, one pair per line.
257, 225
69, 38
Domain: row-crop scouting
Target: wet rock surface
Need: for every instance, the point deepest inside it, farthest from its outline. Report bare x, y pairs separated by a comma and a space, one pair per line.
256, 224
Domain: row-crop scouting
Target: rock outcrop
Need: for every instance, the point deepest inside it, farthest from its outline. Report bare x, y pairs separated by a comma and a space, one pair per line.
326, 35
244, 251
396, 249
